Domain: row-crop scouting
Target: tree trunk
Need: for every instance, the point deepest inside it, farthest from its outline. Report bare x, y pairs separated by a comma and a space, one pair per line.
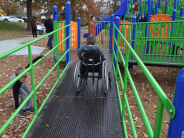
29, 14
74, 16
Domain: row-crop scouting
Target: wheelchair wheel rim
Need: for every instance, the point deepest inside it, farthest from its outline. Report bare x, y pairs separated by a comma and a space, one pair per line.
75, 71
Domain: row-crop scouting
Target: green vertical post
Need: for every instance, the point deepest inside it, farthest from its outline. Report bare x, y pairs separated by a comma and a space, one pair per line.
126, 67
117, 56
158, 120
32, 79
56, 51
70, 43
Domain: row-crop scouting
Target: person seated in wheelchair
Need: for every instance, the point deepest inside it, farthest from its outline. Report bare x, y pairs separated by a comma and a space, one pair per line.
92, 60
90, 50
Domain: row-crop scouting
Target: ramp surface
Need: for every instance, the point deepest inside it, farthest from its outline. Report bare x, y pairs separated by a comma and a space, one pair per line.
89, 115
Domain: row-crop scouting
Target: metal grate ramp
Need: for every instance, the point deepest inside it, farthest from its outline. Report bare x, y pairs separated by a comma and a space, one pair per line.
89, 115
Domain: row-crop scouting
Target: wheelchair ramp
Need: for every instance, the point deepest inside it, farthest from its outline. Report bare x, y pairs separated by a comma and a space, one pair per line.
89, 115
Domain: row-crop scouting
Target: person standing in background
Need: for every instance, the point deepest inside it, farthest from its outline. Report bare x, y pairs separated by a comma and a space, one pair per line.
49, 28
34, 26
91, 27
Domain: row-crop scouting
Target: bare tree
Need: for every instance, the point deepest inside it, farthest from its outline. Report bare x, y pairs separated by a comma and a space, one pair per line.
29, 14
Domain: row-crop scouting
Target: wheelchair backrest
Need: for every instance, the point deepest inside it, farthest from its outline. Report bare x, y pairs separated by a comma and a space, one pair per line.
91, 57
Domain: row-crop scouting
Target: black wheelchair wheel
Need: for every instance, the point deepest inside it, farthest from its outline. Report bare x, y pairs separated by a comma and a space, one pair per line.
105, 78
77, 79
109, 77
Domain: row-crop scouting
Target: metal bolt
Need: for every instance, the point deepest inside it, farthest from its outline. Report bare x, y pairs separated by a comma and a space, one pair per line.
171, 111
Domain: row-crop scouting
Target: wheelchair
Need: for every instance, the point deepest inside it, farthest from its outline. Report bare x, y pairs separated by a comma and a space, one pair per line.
91, 63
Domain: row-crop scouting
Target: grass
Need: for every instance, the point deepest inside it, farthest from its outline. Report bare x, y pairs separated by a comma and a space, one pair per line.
11, 30
84, 28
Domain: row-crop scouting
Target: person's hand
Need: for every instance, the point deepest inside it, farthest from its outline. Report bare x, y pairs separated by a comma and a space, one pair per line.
43, 57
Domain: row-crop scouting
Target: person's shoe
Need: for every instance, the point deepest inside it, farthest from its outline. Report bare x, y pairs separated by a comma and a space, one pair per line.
47, 46
30, 110
21, 113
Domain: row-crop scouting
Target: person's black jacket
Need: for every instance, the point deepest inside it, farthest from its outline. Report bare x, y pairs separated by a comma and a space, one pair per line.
62, 13
95, 48
49, 25
16, 88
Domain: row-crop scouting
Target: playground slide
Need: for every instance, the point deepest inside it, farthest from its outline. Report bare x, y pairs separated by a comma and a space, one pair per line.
121, 12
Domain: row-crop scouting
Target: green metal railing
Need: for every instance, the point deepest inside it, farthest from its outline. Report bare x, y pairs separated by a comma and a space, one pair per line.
30, 68
102, 32
60, 36
163, 102
155, 42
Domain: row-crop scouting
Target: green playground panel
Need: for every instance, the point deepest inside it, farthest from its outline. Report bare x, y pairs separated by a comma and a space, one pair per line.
30, 68
156, 42
102, 32
60, 36
163, 102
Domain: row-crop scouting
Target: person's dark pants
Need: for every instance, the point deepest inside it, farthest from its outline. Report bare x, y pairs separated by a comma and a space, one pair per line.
34, 32
49, 44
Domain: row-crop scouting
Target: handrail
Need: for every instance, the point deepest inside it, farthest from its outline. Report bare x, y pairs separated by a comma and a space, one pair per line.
160, 93
163, 99
30, 68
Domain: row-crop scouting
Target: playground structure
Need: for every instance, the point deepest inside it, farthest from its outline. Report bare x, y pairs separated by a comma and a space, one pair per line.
156, 7
153, 43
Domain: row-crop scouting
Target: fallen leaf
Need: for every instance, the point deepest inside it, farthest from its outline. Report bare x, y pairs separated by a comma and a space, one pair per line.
5, 136
67, 117
138, 126
145, 135
30, 116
